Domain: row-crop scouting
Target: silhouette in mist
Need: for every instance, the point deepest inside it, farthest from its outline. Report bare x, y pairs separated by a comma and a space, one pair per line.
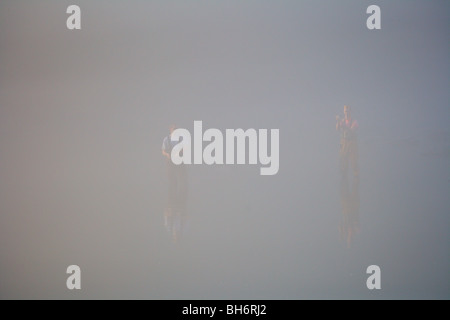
175, 213
349, 192
348, 152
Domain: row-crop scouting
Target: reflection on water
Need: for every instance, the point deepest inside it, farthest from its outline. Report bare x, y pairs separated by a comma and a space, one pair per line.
175, 213
175, 221
349, 225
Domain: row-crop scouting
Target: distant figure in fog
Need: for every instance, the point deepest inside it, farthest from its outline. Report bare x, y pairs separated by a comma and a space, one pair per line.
175, 211
349, 145
348, 153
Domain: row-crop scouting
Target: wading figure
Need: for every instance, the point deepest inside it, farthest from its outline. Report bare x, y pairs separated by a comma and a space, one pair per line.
348, 152
175, 211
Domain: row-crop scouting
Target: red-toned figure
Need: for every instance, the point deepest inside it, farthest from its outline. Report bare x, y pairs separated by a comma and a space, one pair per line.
349, 143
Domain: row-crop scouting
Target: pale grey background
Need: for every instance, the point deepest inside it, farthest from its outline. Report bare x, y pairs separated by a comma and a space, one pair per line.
83, 114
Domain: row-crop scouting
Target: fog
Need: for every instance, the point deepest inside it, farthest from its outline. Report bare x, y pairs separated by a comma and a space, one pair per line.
83, 114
